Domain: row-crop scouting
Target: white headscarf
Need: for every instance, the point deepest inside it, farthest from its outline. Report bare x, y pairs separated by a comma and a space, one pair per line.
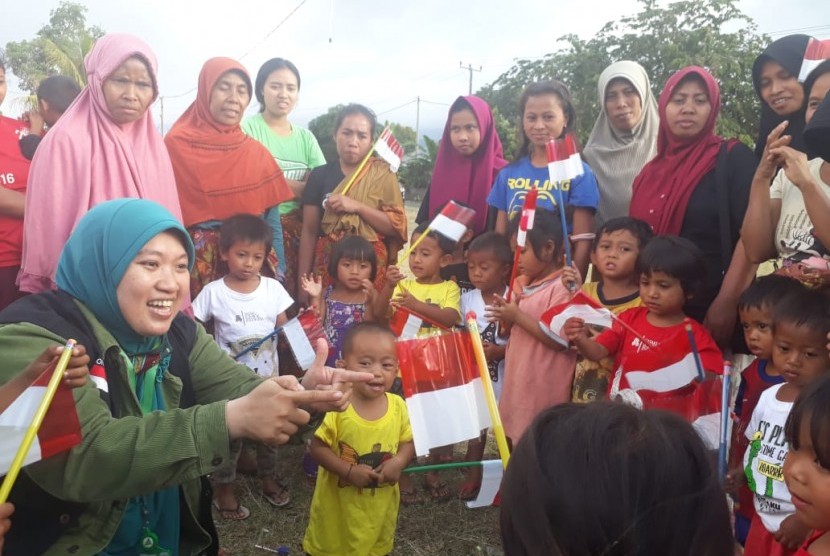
616, 157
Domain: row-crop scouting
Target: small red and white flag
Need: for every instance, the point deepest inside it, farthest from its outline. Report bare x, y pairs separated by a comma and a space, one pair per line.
564, 162
491, 475
453, 220
98, 376
405, 324
301, 334
580, 306
389, 149
667, 378
817, 51
59, 431
443, 390
528, 215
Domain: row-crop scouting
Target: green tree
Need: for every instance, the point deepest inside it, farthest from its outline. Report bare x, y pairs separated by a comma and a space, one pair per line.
416, 171
323, 129
58, 49
662, 40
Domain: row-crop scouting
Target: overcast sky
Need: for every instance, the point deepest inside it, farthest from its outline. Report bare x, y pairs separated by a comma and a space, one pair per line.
378, 52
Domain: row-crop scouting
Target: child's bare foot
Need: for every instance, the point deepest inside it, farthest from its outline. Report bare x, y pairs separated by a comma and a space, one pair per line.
437, 489
470, 487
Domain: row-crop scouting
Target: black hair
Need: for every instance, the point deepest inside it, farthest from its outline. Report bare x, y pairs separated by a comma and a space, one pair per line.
362, 328
356, 109
546, 227
813, 403
765, 292
677, 257
636, 227
59, 91
608, 479
245, 227
817, 72
493, 243
803, 307
445, 244
266, 70
538, 89
356, 248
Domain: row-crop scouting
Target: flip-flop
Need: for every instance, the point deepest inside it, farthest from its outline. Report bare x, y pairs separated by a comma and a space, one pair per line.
239, 513
277, 498
438, 492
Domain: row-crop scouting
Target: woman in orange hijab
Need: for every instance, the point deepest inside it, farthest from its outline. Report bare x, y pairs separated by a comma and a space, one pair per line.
219, 170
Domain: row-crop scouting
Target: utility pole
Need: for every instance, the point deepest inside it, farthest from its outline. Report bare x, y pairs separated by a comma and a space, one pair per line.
471, 69
417, 120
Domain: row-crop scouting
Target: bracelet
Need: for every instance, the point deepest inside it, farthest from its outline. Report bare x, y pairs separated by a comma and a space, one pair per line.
346, 478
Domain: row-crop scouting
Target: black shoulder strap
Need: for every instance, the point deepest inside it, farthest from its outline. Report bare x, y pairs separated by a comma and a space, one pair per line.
724, 223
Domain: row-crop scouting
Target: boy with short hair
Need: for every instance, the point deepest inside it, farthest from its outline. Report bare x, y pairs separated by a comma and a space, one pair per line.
755, 309
54, 95
246, 307
361, 452
614, 257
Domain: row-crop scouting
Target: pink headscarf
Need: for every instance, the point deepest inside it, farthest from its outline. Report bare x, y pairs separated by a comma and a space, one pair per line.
467, 178
87, 158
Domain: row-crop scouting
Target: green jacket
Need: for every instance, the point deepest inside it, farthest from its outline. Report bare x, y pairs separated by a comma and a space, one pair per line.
121, 458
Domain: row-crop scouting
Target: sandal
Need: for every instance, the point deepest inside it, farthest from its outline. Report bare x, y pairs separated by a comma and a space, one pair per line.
469, 490
411, 497
239, 513
438, 492
277, 498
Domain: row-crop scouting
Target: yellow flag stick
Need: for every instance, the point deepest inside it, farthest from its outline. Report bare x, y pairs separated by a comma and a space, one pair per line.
37, 420
489, 394
363, 162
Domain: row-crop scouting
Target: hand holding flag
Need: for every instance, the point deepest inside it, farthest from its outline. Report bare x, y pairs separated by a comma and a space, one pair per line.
388, 148
580, 306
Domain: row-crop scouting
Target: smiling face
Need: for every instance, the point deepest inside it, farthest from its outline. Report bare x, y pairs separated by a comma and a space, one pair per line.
129, 91
154, 285
229, 98
353, 139
688, 109
465, 134
820, 88
372, 352
280, 92
798, 353
623, 105
808, 481
780, 89
543, 119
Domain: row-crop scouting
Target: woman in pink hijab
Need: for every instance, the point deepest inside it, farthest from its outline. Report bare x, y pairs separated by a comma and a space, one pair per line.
469, 157
105, 146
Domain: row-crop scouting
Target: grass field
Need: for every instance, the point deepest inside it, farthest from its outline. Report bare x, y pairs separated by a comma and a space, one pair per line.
432, 528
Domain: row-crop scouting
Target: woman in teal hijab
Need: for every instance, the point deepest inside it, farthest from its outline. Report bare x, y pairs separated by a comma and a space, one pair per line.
156, 417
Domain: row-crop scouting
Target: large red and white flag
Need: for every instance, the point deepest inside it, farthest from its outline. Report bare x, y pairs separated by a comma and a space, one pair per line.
443, 390
580, 306
528, 215
453, 220
59, 431
817, 51
389, 149
667, 378
564, 162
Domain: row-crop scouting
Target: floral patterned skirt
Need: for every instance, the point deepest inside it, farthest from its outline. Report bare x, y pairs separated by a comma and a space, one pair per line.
292, 228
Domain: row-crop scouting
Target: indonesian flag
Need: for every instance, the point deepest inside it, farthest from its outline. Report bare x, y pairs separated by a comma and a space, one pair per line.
564, 162
528, 215
453, 220
300, 335
667, 378
59, 431
405, 324
443, 390
580, 306
817, 51
389, 149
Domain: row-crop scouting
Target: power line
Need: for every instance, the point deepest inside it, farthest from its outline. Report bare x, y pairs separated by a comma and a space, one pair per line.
799, 30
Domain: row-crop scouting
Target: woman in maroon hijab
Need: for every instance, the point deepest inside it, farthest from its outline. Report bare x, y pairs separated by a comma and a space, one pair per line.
697, 187
469, 157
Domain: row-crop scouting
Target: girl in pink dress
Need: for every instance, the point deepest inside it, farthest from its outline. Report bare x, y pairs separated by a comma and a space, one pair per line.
538, 372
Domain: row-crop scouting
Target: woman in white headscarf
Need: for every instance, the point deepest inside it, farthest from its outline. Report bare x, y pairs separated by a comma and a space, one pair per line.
624, 136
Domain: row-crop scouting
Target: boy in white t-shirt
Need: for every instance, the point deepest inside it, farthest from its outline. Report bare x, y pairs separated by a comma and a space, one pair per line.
245, 308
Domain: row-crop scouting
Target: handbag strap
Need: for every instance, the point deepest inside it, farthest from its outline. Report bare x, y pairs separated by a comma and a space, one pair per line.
724, 223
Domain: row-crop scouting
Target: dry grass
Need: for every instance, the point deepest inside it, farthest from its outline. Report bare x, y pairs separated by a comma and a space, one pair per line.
423, 530
446, 528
